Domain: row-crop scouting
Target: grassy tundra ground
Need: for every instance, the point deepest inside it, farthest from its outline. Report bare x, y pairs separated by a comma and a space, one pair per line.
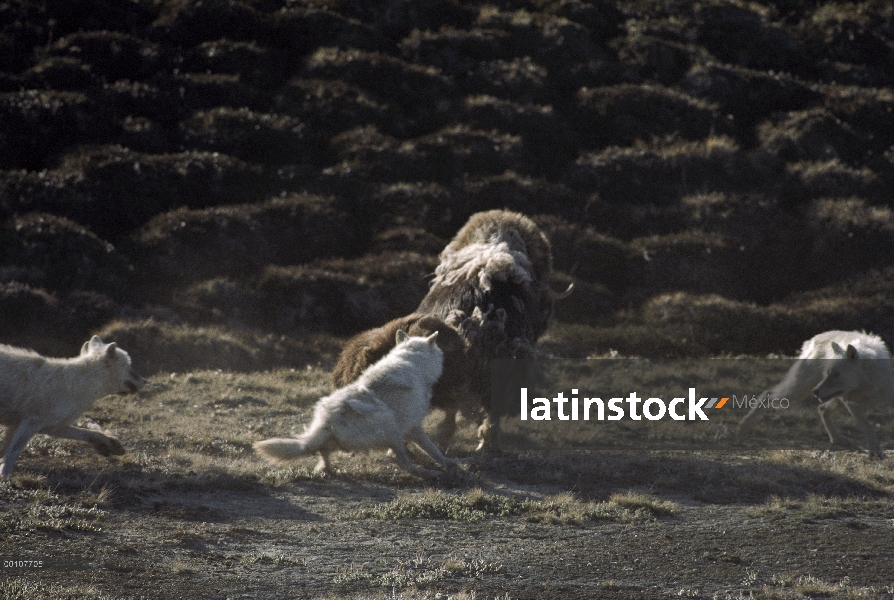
241, 184
190, 512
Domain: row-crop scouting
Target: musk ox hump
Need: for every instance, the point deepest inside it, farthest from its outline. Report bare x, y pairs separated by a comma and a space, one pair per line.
519, 233
484, 263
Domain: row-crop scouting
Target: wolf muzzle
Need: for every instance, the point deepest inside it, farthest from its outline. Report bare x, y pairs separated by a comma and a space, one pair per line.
133, 383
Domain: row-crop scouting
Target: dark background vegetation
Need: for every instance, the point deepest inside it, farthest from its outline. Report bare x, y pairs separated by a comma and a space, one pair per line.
242, 184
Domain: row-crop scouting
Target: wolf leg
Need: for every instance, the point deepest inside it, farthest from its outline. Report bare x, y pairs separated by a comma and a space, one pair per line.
16, 443
868, 430
7, 439
745, 423
835, 436
102, 443
403, 459
398, 445
421, 439
797, 385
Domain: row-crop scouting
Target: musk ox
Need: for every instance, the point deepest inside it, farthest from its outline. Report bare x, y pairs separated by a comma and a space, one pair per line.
490, 298
498, 260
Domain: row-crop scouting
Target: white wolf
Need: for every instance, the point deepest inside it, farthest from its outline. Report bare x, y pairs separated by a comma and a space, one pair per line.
841, 368
382, 409
46, 395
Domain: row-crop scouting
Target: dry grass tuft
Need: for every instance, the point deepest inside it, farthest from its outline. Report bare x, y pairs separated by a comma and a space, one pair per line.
792, 587
476, 505
419, 572
27, 588
640, 503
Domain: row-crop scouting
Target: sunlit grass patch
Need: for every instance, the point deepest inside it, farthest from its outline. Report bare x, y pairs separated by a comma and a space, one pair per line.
476, 505
816, 507
279, 560
792, 587
414, 594
471, 506
31, 588
643, 504
39, 508
65, 517
878, 474
419, 572
278, 477
180, 567
52, 518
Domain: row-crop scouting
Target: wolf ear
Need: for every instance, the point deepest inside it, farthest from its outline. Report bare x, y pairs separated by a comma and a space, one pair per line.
110, 349
838, 350
431, 339
85, 349
851, 351
401, 336
95, 341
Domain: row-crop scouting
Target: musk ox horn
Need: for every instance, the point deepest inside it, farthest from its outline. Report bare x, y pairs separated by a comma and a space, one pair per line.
557, 296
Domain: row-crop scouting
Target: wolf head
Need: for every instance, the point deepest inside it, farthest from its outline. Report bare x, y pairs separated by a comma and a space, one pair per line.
841, 374
121, 376
430, 356
427, 343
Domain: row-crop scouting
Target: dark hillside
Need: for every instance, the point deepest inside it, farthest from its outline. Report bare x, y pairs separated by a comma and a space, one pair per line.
236, 181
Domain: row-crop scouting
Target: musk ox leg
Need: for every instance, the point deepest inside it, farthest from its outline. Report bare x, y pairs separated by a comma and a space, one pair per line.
489, 435
446, 428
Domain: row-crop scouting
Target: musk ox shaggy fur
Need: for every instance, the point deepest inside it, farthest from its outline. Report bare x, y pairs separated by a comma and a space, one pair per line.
499, 260
490, 299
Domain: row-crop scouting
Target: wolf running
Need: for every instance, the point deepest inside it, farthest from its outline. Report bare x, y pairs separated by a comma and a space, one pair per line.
849, 369
46, 395
382, 409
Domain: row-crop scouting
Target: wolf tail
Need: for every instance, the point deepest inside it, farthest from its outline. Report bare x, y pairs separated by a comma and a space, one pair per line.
286, 448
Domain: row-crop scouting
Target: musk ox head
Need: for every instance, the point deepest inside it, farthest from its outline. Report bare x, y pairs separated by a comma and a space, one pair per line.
493, 276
